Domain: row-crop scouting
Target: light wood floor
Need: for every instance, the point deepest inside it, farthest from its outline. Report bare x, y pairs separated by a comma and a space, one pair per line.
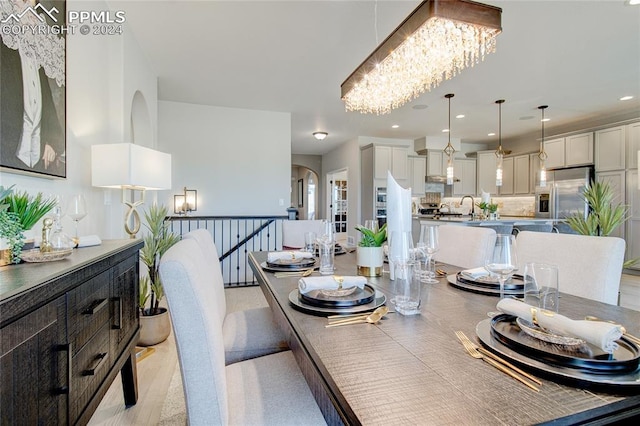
155, 373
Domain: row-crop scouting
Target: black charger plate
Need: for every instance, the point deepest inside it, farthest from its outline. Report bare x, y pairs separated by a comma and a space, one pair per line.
513, 283
586, 357
452, 279
359, 297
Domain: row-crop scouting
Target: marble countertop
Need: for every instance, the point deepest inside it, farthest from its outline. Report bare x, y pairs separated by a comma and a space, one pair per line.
466, 220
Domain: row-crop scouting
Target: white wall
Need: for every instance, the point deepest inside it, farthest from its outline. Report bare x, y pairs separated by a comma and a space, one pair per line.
238, 160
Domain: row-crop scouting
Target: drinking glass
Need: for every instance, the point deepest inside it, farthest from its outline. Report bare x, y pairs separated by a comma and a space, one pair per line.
429, 244
326, 249
371, 224
76, 210
501, 260
310, 242
541, 285
407, 288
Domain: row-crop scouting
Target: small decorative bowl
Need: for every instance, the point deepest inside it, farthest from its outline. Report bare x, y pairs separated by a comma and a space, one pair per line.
36, 256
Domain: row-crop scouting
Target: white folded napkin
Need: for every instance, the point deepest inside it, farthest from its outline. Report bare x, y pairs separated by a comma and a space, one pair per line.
475, 273
89, 240
278, 255
598, 333
307, 284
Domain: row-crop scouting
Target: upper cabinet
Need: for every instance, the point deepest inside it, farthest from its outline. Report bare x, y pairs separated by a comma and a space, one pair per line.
465, 170
534, 172
436, 163
417, 172
575, 150
633, 136
393, 159
521, 174
486, 164
611, 149
507, 176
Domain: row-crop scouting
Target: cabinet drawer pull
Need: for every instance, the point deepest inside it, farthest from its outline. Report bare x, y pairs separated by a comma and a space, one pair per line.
96, 307
118, 315
65, 389
99, 360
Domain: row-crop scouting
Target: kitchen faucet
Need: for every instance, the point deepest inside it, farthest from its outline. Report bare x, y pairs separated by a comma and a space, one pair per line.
473, 209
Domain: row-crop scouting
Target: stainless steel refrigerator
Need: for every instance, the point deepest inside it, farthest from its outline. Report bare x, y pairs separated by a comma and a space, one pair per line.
562, 197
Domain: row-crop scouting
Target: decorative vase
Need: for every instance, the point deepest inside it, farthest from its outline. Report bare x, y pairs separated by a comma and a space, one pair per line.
5, 252
154, 329
369, 261
493, 216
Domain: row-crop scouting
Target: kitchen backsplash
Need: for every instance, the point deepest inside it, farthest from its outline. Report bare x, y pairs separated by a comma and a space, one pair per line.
507, 206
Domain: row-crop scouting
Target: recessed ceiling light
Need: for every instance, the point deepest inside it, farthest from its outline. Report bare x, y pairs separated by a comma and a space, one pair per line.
634, 2
395, 126
445, 130
320, 135
460, 116
491, 134
419, 106
626, 98
546, 119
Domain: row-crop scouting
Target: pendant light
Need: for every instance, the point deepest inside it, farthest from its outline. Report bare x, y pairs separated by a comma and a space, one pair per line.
449, 150
542, 155
499, 151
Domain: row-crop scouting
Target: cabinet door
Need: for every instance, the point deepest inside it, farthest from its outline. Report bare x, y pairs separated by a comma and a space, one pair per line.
34, 366
382, 161
633, 144
399, 163
617, 180
434, 163
465, 170
507, 176
486, 165
610, 149
534, 172
579, 149
417, 168
521, 174
555, 153
633, 224
124, 304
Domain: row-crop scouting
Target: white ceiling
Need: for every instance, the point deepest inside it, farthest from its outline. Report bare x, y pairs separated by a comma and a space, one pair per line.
579, 57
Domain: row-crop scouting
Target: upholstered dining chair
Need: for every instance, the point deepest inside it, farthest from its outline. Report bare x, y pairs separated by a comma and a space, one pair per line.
268, 390
534, 227
464, 246
588, 266
293, 232
246, 333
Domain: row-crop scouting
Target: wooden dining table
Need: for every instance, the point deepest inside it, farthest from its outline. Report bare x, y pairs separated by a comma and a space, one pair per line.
412, 370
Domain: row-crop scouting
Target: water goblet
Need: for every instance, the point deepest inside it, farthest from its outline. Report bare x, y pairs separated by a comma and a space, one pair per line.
501, 259
430, 244
76, 210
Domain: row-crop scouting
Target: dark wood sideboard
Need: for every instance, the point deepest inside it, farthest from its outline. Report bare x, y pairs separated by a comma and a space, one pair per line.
67, 328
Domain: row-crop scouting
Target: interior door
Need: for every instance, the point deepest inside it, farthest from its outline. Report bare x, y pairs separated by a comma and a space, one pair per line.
338, 203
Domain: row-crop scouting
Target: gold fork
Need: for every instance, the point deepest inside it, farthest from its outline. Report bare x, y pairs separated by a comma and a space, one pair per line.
472, 350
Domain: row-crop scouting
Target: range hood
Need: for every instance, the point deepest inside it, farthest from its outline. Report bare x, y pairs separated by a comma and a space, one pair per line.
434, 146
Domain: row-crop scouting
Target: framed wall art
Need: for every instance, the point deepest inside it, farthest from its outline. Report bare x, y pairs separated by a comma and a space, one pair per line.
33, 88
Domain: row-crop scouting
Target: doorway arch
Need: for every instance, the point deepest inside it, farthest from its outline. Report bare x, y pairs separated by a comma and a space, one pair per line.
304, 192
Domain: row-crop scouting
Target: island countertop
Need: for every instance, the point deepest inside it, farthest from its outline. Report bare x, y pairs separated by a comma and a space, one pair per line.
466, 220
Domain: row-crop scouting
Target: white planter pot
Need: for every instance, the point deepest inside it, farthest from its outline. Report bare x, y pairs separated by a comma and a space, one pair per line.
369, 261
154, 329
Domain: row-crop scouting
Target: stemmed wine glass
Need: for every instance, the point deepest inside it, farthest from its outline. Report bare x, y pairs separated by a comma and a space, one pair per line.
428, 245
502, 260
76, 210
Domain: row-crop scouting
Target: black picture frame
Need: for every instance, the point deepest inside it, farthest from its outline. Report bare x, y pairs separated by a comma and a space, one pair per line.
300, 193
39, 150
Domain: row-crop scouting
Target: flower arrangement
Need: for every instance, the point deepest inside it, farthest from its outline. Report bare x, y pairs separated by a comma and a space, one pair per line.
372, 238
488, 207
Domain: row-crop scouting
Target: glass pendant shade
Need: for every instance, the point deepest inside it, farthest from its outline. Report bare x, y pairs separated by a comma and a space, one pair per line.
449, 150
542, 155
500, 150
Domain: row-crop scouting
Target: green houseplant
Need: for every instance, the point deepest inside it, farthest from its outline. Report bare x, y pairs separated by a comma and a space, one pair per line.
29, 209
369, 253
154, 320
11, 233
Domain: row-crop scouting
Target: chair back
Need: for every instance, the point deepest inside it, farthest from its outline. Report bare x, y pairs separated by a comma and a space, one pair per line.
212, 266
197, 331
464, 246
293, 232
588, 266
534, 227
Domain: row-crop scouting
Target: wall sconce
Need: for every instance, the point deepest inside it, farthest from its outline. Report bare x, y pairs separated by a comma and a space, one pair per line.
185, 202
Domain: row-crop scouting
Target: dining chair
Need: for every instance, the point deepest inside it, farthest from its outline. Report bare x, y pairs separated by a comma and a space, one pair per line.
533, 227
293, 232
269, 390
247, 333
588, 266
464, 246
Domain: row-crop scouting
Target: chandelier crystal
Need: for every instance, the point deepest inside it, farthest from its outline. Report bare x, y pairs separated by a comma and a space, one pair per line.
435, 43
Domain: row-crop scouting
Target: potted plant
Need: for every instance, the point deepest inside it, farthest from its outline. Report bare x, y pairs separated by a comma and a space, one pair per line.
489, 209
369, 253
11, 235
28, 210
603, 217
154, 320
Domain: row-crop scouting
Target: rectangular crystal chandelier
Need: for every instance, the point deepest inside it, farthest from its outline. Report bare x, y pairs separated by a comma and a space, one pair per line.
434, 43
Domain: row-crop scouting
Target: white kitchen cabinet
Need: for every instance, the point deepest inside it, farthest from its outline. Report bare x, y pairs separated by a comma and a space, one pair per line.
521, 174
391, 158
574, 150
486, 168
436, 163
465, 170
633, 145
617, 181
633, 223
507, 176
611, 149
555, 153
417, 171
534, 172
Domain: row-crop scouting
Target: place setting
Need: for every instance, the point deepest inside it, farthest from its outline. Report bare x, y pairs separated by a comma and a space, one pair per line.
294, 261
